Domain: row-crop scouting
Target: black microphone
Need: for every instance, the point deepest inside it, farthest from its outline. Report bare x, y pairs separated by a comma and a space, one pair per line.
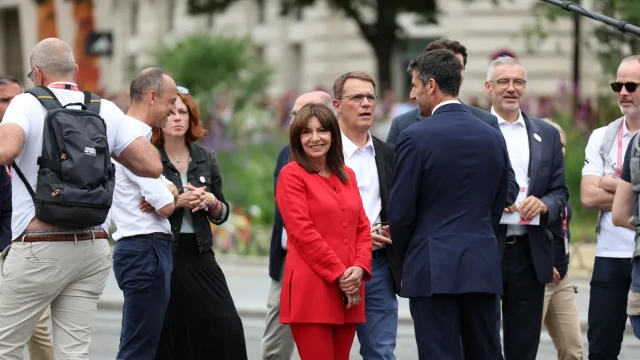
621, 26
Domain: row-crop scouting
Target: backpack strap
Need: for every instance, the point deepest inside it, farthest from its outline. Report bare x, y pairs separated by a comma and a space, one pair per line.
46, 97
92, 102
24, 180
608, 140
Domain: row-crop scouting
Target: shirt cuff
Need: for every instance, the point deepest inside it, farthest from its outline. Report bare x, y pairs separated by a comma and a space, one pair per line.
161, 200
165, 180
593, 172
223, 214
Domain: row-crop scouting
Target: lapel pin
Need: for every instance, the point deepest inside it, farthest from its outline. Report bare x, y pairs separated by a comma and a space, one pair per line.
202, 177
537, 137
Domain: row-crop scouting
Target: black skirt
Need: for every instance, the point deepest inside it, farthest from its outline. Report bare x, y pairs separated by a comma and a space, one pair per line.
201, 322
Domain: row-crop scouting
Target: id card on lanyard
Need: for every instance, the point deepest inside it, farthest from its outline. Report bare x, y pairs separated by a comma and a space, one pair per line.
565, 230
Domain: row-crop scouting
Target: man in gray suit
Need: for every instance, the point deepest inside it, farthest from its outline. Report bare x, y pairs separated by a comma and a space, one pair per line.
407, 119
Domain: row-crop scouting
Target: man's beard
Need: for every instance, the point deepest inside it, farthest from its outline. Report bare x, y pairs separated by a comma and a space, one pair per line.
425, 108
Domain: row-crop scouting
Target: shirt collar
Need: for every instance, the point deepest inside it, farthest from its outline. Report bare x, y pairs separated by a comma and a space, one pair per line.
444, 103
503, 121
62, 83
625, 130
348, 147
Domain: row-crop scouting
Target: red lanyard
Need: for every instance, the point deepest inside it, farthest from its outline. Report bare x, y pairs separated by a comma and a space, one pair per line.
564, 221
619, 164
6, 167
64, 86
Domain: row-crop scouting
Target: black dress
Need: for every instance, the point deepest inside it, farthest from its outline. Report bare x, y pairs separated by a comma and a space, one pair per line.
201, 320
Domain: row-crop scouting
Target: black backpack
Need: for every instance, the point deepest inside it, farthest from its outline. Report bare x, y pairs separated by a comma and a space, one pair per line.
76, 177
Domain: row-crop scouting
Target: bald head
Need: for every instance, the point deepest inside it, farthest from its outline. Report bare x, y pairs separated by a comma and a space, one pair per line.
53, 57
314, 97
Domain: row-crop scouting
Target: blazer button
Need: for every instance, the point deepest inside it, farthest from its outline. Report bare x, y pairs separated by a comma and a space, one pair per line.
342, 207
346, 241
344, 224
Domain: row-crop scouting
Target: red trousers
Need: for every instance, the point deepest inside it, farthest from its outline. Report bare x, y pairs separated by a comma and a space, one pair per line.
323, 341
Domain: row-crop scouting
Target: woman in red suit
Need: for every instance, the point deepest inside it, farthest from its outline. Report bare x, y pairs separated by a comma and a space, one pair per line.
329, 240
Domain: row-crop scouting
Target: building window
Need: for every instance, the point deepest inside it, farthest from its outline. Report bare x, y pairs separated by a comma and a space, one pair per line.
171, 15
210, 20
130, 64
262, 15
134, 17
295, 74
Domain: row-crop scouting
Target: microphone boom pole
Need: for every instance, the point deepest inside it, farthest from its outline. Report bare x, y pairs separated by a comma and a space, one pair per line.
622, 26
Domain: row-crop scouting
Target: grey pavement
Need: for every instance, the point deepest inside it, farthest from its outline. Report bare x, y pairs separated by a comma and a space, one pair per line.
106, 335
248, 280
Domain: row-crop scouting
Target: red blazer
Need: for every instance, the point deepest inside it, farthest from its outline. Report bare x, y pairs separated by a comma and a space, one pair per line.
327, 232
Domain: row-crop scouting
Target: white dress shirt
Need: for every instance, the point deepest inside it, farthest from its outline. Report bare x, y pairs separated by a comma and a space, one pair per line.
517, 138
363, 163
445, 103
130, 188
613, 241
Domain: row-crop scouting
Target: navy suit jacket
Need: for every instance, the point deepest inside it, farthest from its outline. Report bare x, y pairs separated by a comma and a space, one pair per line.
275, 253
547, 183
447, 197
5, 208
409, 118
384, 163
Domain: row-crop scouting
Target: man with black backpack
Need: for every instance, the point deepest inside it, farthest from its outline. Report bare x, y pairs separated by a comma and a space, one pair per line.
59, 142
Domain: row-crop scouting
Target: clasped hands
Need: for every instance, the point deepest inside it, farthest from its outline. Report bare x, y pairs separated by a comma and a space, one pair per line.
529, 208
350, 283
195, 199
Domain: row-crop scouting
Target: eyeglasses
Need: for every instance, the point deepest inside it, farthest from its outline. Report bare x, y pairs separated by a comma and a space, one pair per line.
360, 97
183, 90
30, 74
630, 86
503, 83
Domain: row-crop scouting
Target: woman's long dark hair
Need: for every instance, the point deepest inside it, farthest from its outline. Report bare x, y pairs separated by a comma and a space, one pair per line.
335, 156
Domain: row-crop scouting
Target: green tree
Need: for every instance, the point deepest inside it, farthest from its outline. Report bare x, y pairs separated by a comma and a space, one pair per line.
381, 30
209, 65
611, 45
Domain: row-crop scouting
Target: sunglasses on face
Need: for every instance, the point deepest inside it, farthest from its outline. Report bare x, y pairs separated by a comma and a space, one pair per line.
630, 86
183, 90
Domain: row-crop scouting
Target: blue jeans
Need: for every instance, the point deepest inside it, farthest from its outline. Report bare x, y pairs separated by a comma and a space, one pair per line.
377, 336
610, 285
142, 268
635, 323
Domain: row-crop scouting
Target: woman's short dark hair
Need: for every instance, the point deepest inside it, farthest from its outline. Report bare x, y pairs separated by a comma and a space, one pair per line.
335, 157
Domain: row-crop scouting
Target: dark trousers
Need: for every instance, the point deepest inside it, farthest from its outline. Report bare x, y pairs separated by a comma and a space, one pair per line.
378, 334
610, 283
522, 301
142, 268
443, 323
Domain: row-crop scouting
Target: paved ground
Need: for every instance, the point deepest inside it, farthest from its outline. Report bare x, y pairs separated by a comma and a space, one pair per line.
248, 281
106, 333
249, 284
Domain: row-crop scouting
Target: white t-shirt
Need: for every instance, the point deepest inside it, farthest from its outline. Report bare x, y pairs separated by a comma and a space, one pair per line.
130, 188
27, 112
613, 241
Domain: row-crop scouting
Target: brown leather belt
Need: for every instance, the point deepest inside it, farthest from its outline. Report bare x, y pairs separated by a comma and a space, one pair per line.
62, 236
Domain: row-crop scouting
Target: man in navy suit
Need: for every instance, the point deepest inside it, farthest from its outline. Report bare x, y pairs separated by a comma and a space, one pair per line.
535, 151
277, 342
409, 118
448, 193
